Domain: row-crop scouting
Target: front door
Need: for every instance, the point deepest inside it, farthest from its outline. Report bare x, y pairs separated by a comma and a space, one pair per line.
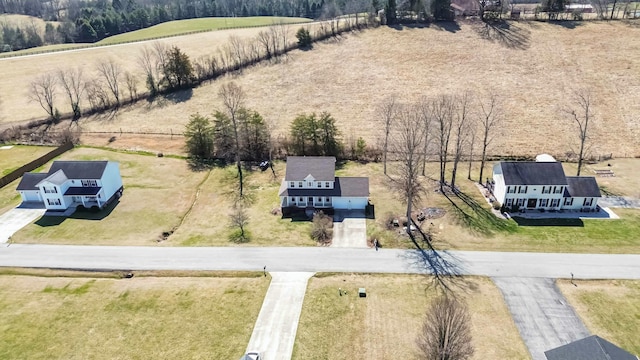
531, 203
310, 201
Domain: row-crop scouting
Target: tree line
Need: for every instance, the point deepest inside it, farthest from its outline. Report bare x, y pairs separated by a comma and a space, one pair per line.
89, 21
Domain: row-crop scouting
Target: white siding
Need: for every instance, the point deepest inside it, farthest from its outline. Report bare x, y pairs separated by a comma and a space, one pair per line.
111, 180
578, 204
535, 192
499, 189
352, 203
30, 195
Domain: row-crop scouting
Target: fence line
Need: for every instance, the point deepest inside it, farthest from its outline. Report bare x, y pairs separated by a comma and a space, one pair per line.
10, 177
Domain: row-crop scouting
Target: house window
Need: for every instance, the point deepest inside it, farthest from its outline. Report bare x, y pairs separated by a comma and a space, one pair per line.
327, 199
300, 184
326, 184
509, 203
587, 202
292, 184
555, 202
520, 203
53, 201
568, 201
545, 190
511, 190
319, 184
557, 190
522, 189
543, 202
293, 200
301, 199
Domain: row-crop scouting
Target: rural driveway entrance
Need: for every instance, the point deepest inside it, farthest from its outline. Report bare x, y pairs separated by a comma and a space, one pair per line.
275, 330
619, 201
543, 316
349, 229
15, 219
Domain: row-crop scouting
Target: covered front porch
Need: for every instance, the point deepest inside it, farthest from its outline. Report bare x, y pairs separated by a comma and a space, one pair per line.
306, 201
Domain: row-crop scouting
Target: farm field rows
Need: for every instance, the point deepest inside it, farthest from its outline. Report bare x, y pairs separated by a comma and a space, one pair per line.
533, 68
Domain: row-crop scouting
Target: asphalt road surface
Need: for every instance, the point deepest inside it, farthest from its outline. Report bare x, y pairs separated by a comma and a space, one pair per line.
321, 259
541, 313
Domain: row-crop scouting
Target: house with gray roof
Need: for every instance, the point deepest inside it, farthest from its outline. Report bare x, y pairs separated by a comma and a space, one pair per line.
310, 183
590, 348
542, 185
69, 184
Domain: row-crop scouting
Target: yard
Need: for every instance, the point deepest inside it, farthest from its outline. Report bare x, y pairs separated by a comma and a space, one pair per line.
609, 309
158, 191
138, 318
385, 324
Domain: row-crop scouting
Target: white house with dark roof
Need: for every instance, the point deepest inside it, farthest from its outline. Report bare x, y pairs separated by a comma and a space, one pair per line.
590, 348
542, 185
310, 182
72, 183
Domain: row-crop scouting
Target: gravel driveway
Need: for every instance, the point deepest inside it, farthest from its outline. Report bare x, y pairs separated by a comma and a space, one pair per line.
542, 315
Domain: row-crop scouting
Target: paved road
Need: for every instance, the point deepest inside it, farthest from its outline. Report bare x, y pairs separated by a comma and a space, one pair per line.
619, 201
542, 315
320, 259
275, 330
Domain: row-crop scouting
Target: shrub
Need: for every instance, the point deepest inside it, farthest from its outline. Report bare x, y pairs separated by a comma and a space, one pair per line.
304, 38
496, 205
322, 230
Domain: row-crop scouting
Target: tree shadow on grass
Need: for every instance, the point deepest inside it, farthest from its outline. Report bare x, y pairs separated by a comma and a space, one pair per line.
450, 26
567, 24
482, 221
510, 35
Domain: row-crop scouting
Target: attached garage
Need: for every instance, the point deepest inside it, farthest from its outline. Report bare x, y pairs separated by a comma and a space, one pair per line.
354, 193
30, 195
349, 203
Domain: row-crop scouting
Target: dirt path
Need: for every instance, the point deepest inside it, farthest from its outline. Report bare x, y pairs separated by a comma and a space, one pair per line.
275, 330
543, 316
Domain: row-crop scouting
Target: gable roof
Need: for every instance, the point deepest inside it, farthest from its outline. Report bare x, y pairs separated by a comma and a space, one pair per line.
80, 169
322, 168
589, 348
353, 186
30, 180
583, 186
533, 173
58, 178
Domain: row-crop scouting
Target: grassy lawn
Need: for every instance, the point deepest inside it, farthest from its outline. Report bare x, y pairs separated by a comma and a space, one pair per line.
18, 155
138, 318
202, 24
208, 222
609, 308
158, 191
384, 325
469, 224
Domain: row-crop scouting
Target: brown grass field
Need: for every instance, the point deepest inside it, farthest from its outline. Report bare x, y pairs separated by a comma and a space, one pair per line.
138, 318
384, 325
533, 67
609, 309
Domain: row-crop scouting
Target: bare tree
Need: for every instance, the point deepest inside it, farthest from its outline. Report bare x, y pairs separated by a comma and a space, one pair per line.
426, 117
442, 112
446, 332
233, 98
388, 111
239, 220
74, 86
97, 95
264, 38
43, 91
111, 73
461, 128
238, 50
408, 139
132, 85
472, 144
582, 116
490, 117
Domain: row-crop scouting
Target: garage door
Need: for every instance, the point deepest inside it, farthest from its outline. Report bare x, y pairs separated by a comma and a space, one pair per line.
30, 195
349, 203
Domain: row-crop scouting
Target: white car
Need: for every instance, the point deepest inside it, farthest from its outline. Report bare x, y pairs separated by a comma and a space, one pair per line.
252, 355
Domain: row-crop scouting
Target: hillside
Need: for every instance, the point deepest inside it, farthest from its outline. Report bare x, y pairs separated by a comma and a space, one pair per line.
532, 66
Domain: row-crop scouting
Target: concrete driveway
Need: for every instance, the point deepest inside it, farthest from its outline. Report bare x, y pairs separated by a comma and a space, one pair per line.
15, 219
275, 330
619, 201
349, 229
542, 315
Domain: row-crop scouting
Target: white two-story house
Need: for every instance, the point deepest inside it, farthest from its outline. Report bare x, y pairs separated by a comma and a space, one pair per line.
310, 182
542, 185
73, 183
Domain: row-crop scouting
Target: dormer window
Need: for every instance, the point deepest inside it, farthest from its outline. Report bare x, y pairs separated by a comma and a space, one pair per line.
319, 184
300, 184
292, 184
326, 184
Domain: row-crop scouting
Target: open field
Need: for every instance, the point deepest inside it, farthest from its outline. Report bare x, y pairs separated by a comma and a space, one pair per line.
384, 325
609, 308
157, 193
25, 20
177, 27
533, 67
138, 318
